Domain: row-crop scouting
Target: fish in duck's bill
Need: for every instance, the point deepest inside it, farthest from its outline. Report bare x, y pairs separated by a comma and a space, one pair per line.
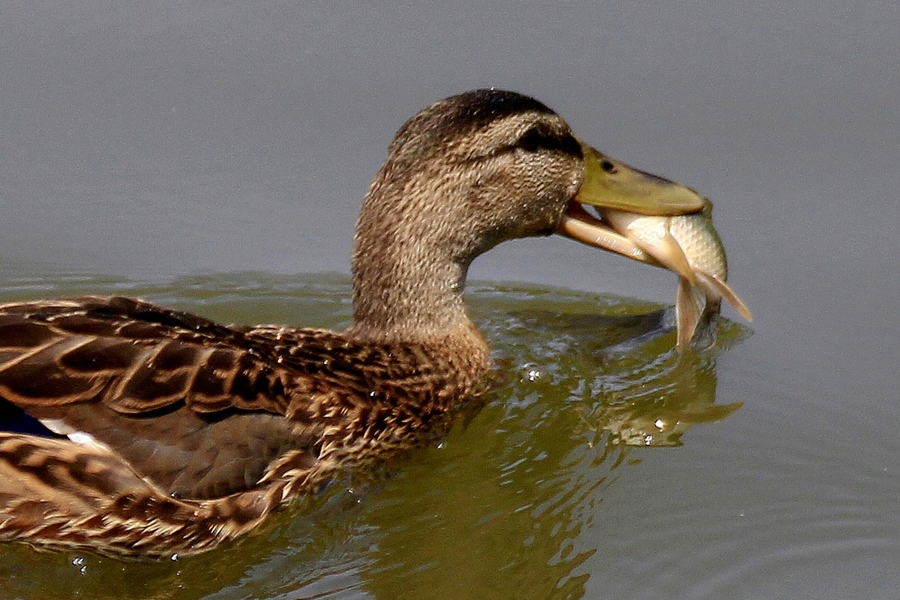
686, 244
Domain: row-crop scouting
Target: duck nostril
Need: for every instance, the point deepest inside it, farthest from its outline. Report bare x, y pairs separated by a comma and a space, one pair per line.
609, 167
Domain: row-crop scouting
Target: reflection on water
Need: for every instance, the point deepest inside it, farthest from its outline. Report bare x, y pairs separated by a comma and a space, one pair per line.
679, 395
496, 508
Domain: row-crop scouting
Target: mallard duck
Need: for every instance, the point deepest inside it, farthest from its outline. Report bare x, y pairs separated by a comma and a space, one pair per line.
133, 429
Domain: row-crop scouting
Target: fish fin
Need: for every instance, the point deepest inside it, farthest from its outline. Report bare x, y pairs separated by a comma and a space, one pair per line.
718, 288
668, 252
689, 304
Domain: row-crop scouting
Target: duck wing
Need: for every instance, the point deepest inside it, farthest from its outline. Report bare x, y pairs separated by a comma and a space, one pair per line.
194, 407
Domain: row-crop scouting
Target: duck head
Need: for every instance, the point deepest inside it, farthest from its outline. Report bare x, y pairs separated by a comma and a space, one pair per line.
465, 174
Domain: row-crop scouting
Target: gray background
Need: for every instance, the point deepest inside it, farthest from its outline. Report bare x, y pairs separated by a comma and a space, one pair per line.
152, 140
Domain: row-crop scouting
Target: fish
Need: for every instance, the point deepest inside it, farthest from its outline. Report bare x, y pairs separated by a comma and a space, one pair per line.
690, 246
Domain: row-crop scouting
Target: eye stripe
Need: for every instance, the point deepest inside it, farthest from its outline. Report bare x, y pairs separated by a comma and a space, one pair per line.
540, 138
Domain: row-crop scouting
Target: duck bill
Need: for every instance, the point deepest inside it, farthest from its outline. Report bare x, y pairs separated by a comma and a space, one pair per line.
611, 184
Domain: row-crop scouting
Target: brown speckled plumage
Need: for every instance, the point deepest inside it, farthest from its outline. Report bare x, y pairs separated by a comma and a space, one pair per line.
171, 433
198, 430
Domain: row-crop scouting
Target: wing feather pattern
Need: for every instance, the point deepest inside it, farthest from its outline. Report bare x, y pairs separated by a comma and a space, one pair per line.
189, 404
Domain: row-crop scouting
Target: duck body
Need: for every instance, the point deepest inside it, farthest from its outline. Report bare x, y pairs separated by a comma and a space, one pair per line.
168, 433
128, 428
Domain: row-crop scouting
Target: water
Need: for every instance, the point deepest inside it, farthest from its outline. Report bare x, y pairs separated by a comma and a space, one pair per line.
515, 488
142, 146
605, 464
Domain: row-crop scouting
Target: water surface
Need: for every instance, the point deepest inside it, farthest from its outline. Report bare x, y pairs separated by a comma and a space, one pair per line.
515, 488
605, 460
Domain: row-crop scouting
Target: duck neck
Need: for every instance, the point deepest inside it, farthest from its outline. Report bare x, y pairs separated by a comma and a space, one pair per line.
405, 292
410, 258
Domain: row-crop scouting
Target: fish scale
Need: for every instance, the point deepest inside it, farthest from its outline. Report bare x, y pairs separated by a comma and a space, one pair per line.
690, 246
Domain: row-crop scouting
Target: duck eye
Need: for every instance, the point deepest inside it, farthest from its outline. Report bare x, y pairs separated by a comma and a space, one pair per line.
532, 140
540, 138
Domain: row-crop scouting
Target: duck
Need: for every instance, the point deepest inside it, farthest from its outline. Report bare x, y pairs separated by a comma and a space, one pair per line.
131, 429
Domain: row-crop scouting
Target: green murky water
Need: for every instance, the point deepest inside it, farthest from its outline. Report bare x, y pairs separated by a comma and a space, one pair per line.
502, 506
